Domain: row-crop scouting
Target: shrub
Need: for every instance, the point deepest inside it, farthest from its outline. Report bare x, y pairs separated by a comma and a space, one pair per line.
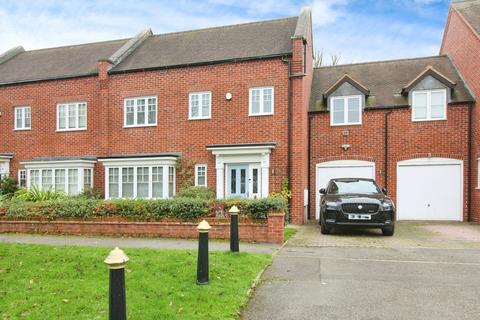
34, 194
90, 193
259, 208
8, 186
196, 193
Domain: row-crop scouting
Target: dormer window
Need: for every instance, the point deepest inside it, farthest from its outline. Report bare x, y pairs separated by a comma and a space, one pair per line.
429, 105
345, 110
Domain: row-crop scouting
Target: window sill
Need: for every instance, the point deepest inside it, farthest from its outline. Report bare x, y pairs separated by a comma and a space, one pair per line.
22, 129
429, 120
260, 114
70, 130
345, 124
202, 118
140, 126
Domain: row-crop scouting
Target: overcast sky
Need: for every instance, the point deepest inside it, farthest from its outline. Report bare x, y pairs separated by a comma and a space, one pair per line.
358, 30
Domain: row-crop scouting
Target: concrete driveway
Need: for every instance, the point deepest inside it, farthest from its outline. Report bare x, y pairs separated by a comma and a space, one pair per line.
365, 276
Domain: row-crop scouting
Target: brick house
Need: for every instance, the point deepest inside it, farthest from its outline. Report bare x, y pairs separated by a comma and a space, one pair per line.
401, 122
461, 41
244, 106
118, 114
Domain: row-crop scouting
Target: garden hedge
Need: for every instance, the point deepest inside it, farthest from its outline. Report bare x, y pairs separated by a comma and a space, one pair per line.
180, 207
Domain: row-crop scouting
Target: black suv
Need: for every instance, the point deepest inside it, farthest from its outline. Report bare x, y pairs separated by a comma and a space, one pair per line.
355, 202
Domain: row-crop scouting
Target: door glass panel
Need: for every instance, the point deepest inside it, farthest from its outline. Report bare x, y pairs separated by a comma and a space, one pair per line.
243, 177
255, 181
233, 181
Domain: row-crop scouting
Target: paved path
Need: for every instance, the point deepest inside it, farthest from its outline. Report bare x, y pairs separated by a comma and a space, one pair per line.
369, 282
173, 244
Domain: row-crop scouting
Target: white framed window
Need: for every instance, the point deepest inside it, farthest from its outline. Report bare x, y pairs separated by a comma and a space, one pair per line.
69, 180
200, 175
261, 101
22, 178
429, 105
23, 120
345, 110
140, 112
87, 179
140, 181
72, 116
200, 105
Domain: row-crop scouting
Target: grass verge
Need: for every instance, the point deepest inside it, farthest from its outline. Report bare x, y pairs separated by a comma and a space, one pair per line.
47, 282
288, 233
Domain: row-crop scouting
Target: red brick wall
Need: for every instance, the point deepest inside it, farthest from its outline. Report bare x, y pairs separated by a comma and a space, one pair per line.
301, 86
407, 140
105, 135
270, 231
462, 44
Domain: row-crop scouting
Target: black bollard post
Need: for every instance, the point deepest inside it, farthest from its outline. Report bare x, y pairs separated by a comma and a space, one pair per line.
116, 263
202, 262
234, 229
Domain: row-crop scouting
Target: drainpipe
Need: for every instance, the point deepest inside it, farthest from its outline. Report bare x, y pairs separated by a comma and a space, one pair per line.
289, 119
469, 174
385, 170
309, 164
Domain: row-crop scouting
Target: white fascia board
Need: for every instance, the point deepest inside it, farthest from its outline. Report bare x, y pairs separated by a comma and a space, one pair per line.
120, 162
240, 150
58, 164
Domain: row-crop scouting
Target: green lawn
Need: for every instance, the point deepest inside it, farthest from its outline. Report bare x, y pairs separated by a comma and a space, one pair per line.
46, 282
288, 233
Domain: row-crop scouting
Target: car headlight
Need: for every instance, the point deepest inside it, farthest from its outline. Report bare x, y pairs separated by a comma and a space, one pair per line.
387, 206
332, 205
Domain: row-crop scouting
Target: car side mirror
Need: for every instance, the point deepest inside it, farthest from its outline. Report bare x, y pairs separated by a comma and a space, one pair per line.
323, 191
384, 190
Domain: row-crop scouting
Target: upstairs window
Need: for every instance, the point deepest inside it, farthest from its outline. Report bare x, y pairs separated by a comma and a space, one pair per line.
261, 101
22, 118
428, 105
200, 105
201, 175
71, 116
140, 112
346, 110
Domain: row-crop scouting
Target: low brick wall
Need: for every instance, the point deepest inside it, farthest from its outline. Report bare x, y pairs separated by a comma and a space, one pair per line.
250, 230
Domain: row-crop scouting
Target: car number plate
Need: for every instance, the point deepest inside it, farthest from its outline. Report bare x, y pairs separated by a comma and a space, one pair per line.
359, 217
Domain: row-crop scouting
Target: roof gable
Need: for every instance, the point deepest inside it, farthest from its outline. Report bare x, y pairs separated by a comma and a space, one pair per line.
429, 71
346, 78
470, 10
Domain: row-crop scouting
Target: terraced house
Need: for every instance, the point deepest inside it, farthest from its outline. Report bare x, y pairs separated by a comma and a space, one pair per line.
245, 105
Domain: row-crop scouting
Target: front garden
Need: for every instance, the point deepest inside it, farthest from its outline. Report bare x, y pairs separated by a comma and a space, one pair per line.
177, 217
45, 282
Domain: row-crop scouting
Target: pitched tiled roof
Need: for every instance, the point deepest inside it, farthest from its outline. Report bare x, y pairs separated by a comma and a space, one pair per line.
242, 41
54, 63
470, 10
385, 80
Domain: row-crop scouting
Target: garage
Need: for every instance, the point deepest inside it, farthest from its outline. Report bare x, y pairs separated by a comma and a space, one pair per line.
341, 169
430, 189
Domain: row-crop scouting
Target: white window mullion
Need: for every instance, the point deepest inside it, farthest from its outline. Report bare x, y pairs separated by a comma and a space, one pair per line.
135, 174
150, 188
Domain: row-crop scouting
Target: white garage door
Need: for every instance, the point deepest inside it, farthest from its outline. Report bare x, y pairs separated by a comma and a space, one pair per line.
430, 189
341, 169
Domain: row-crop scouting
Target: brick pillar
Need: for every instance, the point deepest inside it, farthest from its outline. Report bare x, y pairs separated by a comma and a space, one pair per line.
275, 225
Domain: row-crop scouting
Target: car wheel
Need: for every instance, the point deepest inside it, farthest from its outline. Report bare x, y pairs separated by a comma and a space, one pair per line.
323, 227
388, 231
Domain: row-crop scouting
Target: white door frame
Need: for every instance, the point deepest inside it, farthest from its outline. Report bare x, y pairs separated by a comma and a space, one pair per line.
433, 162
336, 164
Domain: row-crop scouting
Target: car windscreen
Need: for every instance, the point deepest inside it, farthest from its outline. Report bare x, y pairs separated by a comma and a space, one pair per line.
353, 186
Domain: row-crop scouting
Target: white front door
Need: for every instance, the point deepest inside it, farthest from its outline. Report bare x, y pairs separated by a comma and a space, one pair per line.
243, 180
430, 189
341, 169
